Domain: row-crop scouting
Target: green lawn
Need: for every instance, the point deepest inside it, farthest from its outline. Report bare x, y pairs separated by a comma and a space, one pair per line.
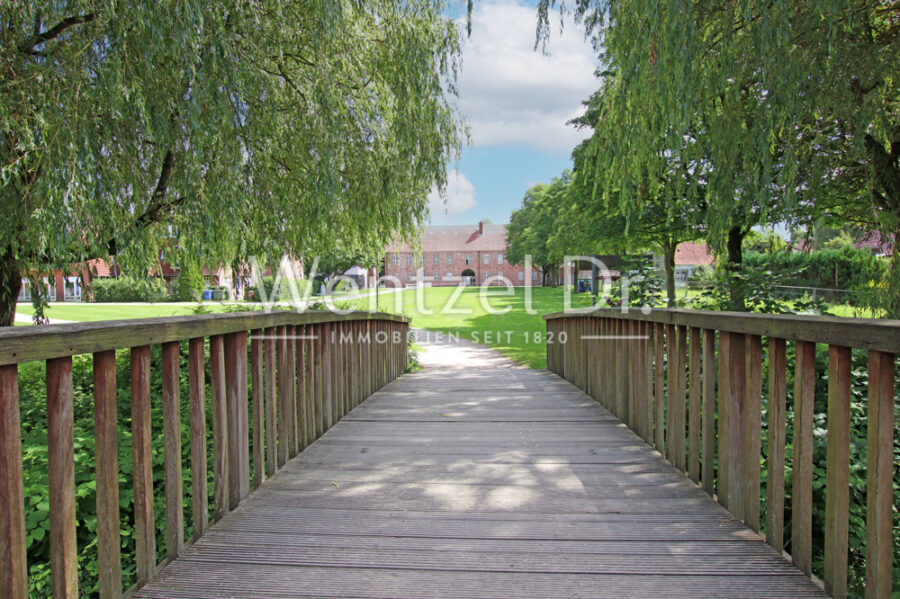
87, 312
516, 334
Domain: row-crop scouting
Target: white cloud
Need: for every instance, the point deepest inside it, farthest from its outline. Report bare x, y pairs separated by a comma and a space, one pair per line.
458, 197
514, 95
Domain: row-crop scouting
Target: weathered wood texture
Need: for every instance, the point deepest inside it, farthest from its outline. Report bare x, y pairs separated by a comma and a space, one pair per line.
479, 482
724, 416
13, 577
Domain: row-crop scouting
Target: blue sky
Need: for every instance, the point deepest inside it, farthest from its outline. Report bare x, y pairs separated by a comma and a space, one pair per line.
516, 102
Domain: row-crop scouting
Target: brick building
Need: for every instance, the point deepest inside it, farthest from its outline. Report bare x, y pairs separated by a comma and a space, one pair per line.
450, 255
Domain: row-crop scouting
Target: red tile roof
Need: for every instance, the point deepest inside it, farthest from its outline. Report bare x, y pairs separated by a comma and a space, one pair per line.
876, 244
693, 254
458, 239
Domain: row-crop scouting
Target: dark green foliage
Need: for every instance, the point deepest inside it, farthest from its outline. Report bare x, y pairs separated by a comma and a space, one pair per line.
762, 290
643, 283
282, 293
853, 270
189, 284
128, 289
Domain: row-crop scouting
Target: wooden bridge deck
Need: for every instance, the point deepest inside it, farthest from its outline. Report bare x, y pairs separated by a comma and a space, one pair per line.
491, 481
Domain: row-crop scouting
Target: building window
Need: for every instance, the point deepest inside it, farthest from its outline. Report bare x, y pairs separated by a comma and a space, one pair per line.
409, 259
468, 259
25, 291
436, 259
521, 275
437, 277
51, 288
395, 260
534, 275
499, 258
410, 277
484, 276
449, 259
486, 259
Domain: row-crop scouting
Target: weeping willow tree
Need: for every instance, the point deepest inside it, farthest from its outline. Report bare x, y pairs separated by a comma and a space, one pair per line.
791, 109
217, 130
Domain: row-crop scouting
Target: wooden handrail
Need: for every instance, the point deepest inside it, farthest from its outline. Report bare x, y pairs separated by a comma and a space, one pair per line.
307, 369
690, 383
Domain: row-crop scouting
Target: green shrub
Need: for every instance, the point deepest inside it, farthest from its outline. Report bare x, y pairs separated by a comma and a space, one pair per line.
189, 285
129, 289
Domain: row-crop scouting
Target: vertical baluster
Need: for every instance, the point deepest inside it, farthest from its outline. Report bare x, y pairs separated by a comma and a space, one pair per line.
837, 487
238, 429
776, 444
753, 431
142, 456
672, 404
327, 370
340, 371
724, 403
660, 371
621, 371
13, 577
109, 566
300, 395
271, 402
61, 466
197, 386
258, 407
309, 333
880, 474
709, 411
284, 443
291, 357
172, 450
694, 409
801, 489
220, 425
319, 379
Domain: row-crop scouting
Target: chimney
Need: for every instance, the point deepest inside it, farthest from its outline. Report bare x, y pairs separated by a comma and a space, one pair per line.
481, 227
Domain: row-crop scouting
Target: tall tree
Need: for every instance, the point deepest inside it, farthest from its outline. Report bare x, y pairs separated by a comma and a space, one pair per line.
798, 101
532, 226
235, 128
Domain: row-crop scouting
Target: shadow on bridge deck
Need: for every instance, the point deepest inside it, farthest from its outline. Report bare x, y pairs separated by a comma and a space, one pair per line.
476, 478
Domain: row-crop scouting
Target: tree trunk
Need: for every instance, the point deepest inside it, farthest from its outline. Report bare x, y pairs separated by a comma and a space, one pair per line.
10, 284
669, 269
733, 264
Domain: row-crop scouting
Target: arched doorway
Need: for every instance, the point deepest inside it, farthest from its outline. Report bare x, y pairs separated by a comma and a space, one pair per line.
468, 277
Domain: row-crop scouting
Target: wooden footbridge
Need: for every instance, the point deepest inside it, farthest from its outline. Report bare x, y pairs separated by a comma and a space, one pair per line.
631, 469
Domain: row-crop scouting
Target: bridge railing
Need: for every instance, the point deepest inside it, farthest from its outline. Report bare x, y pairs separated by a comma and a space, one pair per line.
306, 370
691, 384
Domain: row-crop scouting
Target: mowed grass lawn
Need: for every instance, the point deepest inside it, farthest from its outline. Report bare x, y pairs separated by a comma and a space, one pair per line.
516, 333
87, 312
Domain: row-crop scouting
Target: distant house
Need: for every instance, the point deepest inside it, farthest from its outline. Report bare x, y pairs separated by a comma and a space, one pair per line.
67, 285
689, 256
875, 243
450, 255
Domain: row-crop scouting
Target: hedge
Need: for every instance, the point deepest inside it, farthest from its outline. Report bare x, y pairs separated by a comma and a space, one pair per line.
128, 289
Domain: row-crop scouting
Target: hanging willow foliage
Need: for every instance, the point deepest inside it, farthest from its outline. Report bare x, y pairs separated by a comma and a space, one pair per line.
787, 110
217, 129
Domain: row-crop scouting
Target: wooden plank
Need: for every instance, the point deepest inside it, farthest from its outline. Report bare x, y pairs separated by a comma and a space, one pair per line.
327, 375
753, 431
300, 382
319, 379
723, 478
660, 371
28, 344
257, 407
709, 411
238, 412
13, 577
61, 478
142, 458
801, 487
880, 473
291, 356
310, 384
171, 380
837, 486
694, 410
220, 426
776, 444
271, 405
284, 399
109, 566
197, 388
620, 371
873, 334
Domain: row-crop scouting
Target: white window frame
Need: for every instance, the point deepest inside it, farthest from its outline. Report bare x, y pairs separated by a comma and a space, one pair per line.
449, 259
521, 275
486, 259
499, 258
436, 260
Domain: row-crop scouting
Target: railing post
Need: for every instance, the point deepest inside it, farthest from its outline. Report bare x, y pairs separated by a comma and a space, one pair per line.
709, 411
776, 444
300, 382
257, 407
236, 399
219, 424
109, 567
694, 406
837, 493
142, 456
197, 386
172, 449
61, 466
752, 431
880, 474
801, 488
13, 572
660, 344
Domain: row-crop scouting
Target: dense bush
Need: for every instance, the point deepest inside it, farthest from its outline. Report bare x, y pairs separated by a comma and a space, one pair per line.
189, 284
850, 269
128, 289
